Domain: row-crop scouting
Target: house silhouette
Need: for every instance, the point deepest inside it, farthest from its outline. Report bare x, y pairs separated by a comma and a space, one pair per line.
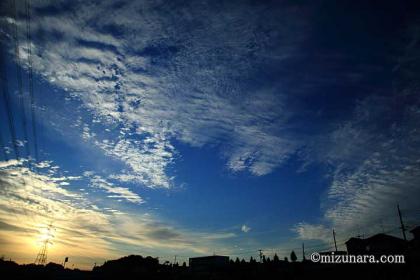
378, 244
414, 245
416, 233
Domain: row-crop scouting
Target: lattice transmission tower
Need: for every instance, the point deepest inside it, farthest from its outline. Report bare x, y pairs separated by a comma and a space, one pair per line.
41, 258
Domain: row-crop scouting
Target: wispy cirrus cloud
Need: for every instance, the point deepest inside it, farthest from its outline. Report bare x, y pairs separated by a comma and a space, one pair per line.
31, 202
313, 232
166, 74
115, 191
152, 75
372, 170
374, 159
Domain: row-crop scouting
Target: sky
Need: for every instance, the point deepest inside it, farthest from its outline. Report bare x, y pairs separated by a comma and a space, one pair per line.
192, 128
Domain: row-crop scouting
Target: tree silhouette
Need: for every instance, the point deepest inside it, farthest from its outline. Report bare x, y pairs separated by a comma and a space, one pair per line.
276, 258
293, 256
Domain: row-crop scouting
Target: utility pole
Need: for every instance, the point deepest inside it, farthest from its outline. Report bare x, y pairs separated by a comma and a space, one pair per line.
335, 242
402, 224
175, 259
303, 251
261, 255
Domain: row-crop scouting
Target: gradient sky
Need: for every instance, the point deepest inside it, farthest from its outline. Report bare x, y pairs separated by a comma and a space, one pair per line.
197, 127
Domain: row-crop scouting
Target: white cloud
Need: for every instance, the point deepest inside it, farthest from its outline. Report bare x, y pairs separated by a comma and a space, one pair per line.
115, 191
375, 166
30, 202
245, 228
313, 232
374, 157
163, 77
43, 164
20, 143
9, 163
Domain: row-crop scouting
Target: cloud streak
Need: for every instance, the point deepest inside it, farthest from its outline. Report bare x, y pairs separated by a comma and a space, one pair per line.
374, 160
166, 74
115, 191
30, 202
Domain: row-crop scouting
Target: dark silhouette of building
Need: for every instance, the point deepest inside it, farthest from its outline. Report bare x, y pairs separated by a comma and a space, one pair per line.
355, 246
379, 244
413, 251
414, 244
416, 233
208, 263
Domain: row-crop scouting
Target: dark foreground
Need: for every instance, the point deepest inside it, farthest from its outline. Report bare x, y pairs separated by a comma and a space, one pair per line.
137, 267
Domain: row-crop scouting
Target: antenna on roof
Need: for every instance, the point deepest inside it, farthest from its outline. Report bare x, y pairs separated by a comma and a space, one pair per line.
335, 242
402, 224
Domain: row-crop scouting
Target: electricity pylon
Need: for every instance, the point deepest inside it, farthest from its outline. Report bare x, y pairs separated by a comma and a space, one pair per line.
41, 258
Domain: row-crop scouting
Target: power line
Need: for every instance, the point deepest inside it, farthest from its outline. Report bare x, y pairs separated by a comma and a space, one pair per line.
6, 99
19, 81
31, 83
20, 92
10, 119
9, 113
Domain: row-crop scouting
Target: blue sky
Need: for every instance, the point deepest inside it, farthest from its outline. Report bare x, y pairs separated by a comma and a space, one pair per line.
191, 128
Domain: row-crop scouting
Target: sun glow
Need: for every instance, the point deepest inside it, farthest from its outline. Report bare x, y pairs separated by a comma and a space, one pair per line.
46, 235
